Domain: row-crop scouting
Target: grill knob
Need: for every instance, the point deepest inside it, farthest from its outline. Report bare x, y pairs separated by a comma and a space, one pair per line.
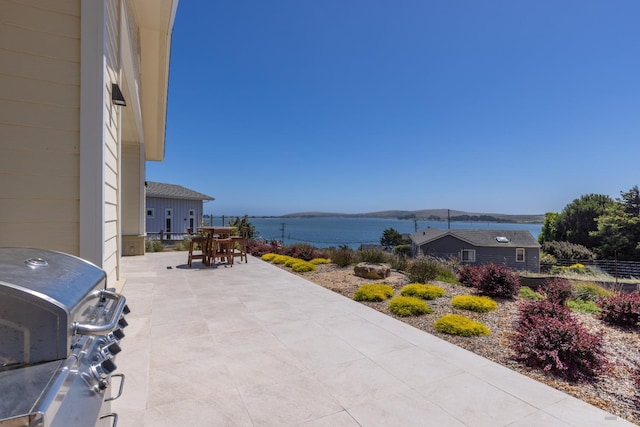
108, 366
118, 334
114, 348
126, 309
123, 323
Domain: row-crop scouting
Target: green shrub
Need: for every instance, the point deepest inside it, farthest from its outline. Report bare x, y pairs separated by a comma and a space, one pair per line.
268, 257
402, 250
447, 276
423, 269
528, 293
576, 269
454, 324
153, 246
373, 256
318, 261
474, 303
373, 292
422, 291
291, 261
399, 263
589, 307
183, 245
342, 256
586, 291
408, 306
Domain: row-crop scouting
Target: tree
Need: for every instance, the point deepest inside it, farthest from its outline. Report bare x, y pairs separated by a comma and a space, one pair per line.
549, 228
619, 228
391, 237
245, 228
579, 218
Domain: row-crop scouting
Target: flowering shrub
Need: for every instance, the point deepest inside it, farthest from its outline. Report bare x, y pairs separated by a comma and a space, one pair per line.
422, 291
474, 303
408, 306
455, 324
547, 336
557, 291
498, 281
622, 309
373, 292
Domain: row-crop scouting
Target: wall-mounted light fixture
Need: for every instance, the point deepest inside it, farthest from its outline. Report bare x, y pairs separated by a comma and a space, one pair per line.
116, 95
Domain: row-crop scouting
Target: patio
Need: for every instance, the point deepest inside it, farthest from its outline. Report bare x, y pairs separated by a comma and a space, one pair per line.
253, 345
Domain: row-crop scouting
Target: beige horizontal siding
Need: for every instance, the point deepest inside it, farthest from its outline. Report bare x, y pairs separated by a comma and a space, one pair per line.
33, 17
69, 7
40, 124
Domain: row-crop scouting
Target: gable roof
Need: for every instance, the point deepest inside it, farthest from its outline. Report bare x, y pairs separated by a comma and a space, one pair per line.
483, 238
173, 191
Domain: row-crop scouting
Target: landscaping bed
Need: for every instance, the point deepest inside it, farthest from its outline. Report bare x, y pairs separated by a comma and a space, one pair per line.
612, 390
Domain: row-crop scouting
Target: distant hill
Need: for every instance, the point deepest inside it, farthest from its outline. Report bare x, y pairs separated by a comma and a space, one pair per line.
430, 215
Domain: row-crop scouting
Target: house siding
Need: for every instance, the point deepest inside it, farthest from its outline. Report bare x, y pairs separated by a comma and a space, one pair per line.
450, 246
180, 208
39, 124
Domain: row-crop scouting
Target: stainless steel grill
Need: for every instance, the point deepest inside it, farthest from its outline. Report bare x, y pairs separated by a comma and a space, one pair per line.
60, 329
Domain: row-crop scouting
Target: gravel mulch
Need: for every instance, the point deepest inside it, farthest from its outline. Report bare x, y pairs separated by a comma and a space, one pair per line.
613, 390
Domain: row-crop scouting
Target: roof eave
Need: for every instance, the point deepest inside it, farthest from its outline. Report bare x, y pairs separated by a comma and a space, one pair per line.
156, 19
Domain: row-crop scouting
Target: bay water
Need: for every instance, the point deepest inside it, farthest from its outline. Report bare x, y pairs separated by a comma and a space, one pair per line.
323, 232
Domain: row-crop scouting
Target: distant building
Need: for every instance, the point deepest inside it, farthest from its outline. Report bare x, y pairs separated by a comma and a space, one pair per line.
517, 249
173, 209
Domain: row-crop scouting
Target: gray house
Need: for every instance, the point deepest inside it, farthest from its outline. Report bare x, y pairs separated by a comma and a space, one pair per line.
173, 209
517, 249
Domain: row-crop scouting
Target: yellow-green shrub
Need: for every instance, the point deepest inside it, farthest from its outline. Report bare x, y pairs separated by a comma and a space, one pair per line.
373, 292
280, 259
302, 266
268, 257
528, 293
422, 291
476, 303
408, 306
317, 261
455, 324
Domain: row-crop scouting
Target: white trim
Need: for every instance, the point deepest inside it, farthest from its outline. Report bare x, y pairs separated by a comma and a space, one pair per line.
92, 101
523, 254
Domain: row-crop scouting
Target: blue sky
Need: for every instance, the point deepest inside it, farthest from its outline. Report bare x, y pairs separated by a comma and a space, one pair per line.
354, 106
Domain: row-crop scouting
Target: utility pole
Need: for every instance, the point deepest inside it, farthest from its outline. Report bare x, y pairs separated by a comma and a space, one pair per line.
282, 230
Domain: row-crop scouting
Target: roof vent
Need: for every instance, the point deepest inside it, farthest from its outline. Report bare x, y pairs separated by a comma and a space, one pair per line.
502, 239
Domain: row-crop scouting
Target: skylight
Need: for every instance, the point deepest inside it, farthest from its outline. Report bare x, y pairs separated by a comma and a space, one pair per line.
502, 239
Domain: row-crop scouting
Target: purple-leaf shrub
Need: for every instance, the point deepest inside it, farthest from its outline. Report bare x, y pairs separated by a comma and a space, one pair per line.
548, 337
622, 309
498, 281
557, 290
470, 275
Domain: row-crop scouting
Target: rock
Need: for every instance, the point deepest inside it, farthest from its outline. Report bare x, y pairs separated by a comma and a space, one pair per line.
371, 271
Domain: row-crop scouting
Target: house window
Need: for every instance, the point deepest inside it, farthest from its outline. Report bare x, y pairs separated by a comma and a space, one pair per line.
520, 254
150, 213
468, 255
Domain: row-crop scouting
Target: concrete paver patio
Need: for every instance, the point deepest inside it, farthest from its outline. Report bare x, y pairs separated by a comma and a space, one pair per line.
254, 345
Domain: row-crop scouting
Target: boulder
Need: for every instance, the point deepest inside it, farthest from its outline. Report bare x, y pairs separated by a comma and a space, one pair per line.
371, 271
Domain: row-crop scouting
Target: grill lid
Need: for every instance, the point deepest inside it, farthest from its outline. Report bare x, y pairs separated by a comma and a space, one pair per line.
42, 293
